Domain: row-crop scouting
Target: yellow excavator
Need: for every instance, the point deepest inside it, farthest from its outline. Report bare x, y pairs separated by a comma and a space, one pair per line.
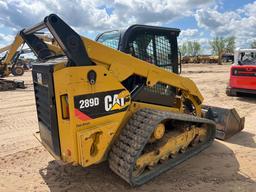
6, 65
120, 98
9, 62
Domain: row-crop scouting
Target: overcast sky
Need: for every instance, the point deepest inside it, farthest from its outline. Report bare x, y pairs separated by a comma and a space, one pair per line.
198, 19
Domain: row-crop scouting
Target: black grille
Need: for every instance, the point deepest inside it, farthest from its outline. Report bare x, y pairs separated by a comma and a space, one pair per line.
160, 89
42, 104
155, 49
163, 51
159, 94
251, 72
45, 105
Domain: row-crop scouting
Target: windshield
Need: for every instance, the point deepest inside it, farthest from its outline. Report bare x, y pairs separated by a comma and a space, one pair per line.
110, 39
247, 58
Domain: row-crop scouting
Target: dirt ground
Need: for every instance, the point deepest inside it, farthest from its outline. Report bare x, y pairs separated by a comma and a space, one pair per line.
226, 166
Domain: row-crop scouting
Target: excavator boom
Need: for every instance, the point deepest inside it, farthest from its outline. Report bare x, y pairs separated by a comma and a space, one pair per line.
8, 63
3, 49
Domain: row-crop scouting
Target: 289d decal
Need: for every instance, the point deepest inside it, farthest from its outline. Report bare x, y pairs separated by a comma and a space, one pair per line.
91, 106
85, 103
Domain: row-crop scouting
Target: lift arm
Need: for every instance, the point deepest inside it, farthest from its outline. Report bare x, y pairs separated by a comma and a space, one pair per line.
3, 49
82, 51
70, 42
19, 43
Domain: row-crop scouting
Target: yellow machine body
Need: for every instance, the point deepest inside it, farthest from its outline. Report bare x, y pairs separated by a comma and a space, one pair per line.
100, 104
87, 142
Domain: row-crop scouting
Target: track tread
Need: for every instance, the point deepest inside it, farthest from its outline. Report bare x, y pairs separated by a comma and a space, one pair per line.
134, 136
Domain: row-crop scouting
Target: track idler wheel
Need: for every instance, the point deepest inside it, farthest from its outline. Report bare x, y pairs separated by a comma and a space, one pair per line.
158, 133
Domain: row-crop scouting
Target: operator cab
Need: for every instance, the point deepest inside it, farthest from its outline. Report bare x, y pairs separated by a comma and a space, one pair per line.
156, 45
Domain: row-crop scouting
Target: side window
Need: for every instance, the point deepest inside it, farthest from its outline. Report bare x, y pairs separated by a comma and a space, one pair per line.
110, 39
163, 52
143, 47
155, 49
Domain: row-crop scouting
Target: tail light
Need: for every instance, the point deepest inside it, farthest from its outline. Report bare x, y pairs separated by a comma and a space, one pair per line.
235, 71
64, 106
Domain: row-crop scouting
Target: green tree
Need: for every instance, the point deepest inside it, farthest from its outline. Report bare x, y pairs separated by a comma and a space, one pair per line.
230, 44
183, 49
190, 48
221, 45
196, 48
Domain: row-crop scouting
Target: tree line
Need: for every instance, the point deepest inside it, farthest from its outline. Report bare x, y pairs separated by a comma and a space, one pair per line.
218, 45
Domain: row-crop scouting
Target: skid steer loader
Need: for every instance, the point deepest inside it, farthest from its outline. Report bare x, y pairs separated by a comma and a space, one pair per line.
128, 106
242, 73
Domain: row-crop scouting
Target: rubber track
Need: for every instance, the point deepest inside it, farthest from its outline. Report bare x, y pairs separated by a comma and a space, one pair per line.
135, 135
6, 85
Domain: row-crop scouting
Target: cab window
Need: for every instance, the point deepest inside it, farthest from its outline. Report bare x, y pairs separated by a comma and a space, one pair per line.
247, 58
155, 49
110, 39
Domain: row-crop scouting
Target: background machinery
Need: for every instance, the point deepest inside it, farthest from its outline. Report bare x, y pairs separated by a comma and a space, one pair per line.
128, 106
243, 73
10, 62
199, 59
7, 65
19, 60
226, 57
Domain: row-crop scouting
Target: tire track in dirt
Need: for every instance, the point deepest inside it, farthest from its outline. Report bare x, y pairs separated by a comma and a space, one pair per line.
18, 119
22, 165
